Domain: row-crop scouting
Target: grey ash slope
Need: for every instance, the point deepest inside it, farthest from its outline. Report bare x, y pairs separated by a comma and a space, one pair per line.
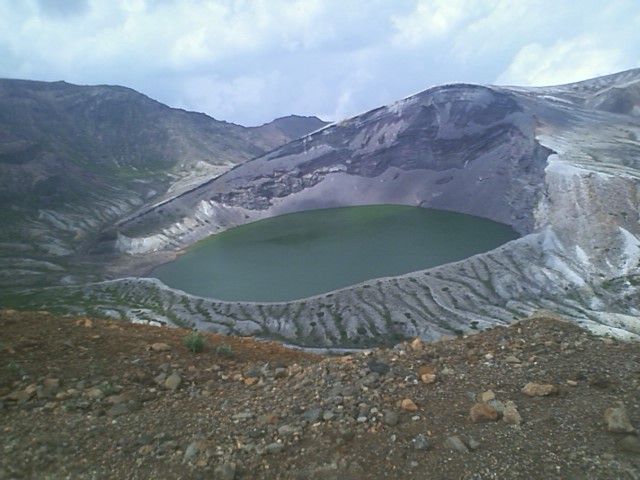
74, 159
559, 164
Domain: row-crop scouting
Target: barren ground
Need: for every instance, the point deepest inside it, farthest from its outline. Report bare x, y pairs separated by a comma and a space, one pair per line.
89, 398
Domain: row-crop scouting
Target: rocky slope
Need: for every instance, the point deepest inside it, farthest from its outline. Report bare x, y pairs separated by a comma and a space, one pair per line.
86, 398
559, 164
75, 159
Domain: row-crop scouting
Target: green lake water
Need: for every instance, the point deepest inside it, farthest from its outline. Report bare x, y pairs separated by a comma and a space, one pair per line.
302, 254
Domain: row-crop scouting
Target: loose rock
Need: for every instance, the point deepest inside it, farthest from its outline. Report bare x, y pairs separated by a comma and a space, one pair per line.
454, 443
539, 390
416, 344
94, 393
408, 405
173, 381
391, 418
51, 383
225, 471
617, 419
481, 412
428, 378
191, 452
511, 415
420, 442
630, 443
160, 347
378, 367
487, 396
274, 448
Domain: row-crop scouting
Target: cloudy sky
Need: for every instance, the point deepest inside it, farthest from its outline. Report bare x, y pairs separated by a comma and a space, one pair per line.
251, 61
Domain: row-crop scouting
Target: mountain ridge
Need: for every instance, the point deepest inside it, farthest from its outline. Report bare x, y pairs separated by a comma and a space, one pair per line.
558, 166
75, 159
521, 156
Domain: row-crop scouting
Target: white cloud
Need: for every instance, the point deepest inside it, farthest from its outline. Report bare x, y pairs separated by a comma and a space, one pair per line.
210, 94
431, 19
564, 61
249, 61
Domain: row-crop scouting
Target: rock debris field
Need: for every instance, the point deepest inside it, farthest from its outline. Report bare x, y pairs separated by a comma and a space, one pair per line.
91, 398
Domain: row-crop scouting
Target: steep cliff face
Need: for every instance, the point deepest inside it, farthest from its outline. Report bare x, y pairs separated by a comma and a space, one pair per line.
560, 164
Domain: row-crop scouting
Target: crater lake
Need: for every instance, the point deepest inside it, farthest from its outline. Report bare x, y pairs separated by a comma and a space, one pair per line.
313, 252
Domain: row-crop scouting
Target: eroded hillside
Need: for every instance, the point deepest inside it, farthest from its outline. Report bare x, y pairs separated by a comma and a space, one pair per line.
559, 164
76, 159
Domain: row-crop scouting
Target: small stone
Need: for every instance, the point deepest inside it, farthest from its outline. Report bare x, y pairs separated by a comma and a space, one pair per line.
454, 443
600, 382
391, 418
268, 419
249, 381
119, 409
145, 450
286, 430
274, 448
511, 415
371, 379
84, 322
22, 396
31, 389
280, 372
346, 435
72, 392
408, 405
472, 443
94, 393
160, 378
168, 446
378, 367
572, 383
420, 442
497, 404
51, 383
191, 452
487, 396
481, 412
512, 359
328, 415
160, 347
121, 398
428, 378
617, 419
44, 393
416, 344
630, 443
532, 389
426, 370
173, 381
225, 471
242, 416
312, 415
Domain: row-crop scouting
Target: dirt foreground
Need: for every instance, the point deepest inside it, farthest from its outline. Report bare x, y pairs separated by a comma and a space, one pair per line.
89, 398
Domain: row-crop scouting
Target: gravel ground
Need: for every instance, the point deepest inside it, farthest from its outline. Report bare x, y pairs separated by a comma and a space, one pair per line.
89, 398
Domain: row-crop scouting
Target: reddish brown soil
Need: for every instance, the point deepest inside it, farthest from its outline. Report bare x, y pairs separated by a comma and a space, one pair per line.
235, 403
